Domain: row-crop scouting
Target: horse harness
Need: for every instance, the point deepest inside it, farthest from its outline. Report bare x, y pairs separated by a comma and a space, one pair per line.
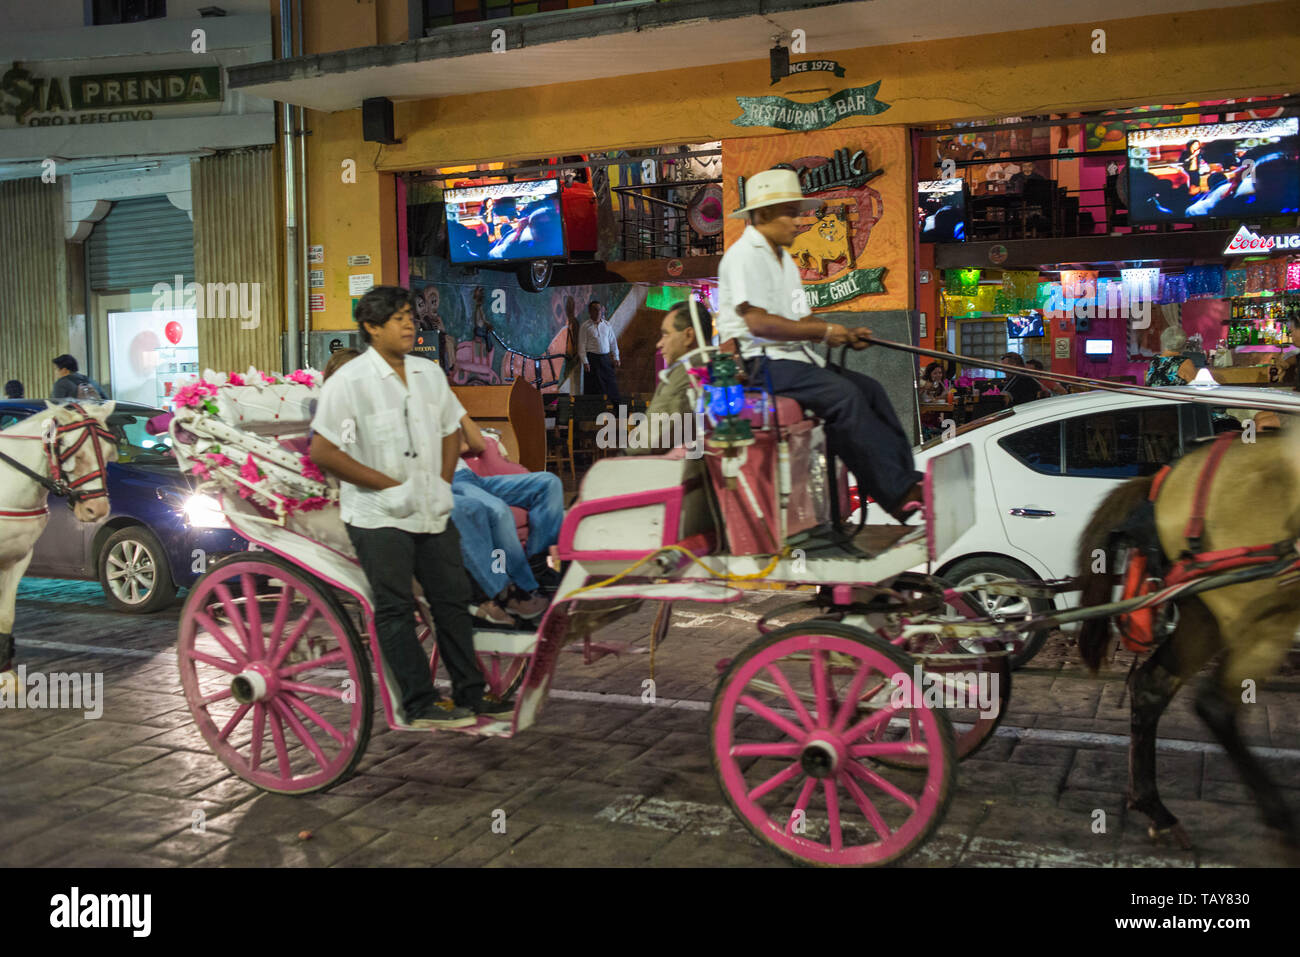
56, 457
1147, 567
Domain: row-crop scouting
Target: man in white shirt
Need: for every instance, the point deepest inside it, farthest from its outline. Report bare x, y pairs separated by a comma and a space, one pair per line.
597, 346
388, 426
762, 306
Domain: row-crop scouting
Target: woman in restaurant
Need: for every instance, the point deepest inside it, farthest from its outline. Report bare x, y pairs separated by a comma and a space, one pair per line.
1171, 367
933, 389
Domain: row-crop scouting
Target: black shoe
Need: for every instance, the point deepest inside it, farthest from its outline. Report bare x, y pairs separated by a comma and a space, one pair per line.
444, 714
493, 707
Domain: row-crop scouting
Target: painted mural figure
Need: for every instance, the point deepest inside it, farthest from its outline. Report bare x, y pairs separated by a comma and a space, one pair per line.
428, 320
826, 242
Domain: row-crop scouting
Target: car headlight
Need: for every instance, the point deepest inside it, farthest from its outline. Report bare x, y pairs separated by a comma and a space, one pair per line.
204, 511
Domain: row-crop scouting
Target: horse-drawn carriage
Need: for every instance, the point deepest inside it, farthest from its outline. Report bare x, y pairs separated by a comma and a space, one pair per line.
834, 738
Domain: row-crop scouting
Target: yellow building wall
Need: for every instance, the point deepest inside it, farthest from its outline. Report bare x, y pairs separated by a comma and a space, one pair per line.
1244, 51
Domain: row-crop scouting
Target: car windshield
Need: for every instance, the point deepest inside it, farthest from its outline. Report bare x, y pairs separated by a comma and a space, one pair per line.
968, 427
134, 443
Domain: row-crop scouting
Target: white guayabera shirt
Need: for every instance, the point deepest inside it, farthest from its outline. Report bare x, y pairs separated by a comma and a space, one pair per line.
393, 428
597, 337
750, 272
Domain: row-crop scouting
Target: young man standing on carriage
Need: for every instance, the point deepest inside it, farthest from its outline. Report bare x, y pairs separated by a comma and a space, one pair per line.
762, 307
388, 426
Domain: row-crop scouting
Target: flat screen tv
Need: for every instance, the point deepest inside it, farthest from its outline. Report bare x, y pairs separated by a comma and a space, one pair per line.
1098, 349
941, 210
1024, 327
505, 222
1217, 170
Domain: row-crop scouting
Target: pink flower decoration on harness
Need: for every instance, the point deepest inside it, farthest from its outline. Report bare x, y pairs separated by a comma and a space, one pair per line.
699, 373
234, 378
201, 470
302, 377
250, 473
195, 394
310, 469
269, 379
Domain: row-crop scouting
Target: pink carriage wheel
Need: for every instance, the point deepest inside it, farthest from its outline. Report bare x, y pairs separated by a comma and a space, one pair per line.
502, 672
797, 765
275, 675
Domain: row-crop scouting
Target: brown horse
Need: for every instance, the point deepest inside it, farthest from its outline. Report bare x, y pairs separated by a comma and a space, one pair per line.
1254, 500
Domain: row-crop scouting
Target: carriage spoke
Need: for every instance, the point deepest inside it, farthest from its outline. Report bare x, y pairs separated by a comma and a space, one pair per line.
315, 718
886, 748
869, 724
305, 688
302, 733
232, 614
871, 777
217, 696
259, 735
216, 631
308, 615
783, 683
820, 687
852, 697
226, 666
277, 737
833, 813
790, 750
766, 713
775, 781
254, 611
866, 807
282, 608
801, 803
335, 657
233, 723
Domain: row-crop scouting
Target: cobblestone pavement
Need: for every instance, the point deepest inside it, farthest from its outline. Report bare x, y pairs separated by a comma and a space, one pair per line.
601, 779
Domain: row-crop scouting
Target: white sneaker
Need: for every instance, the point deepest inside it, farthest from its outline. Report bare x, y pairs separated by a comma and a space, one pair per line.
491, 612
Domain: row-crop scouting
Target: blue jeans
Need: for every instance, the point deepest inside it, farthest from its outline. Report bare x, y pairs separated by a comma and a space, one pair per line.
540, 493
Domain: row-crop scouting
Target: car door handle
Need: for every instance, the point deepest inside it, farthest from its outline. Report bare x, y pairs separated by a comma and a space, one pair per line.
1033, 512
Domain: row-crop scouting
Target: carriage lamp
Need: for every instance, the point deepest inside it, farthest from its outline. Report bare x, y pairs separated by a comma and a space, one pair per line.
726, 402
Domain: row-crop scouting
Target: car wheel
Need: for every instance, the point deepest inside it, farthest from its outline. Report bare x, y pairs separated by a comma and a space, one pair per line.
133, 572
994, 568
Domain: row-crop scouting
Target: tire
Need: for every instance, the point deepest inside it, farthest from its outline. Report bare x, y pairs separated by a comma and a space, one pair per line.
141, 580
998, 568
820, 744
536, 275
224, 650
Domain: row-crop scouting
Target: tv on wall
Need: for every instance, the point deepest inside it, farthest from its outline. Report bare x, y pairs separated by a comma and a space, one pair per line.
505, 222
941, 210
1216, 170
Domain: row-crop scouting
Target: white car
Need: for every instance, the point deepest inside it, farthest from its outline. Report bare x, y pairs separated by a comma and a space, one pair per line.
1042, 468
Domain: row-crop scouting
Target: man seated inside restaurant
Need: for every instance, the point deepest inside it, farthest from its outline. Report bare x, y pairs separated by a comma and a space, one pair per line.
672, 395
490, 546
1047, 386
1019, 389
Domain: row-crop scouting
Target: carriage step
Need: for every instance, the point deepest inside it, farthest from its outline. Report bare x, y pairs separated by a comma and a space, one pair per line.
662, 591
504, 642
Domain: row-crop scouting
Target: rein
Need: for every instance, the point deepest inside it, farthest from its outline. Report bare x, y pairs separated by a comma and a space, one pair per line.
1152, 392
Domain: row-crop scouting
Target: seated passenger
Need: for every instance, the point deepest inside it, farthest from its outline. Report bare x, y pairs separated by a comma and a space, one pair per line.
672, 396
489, 540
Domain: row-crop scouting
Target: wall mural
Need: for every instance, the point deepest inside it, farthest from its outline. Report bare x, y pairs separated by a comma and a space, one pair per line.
484, 327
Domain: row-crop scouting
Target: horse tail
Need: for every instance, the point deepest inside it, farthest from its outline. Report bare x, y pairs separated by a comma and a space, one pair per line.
1098, 585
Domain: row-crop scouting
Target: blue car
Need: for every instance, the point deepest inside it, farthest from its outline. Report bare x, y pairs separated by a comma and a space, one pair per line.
158, 536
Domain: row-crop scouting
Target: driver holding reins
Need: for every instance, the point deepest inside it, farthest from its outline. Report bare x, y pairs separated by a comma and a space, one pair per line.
762, 306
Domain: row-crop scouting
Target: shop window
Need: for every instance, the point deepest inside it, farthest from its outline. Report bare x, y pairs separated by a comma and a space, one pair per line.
1121, 444
983, 340
1038, 448
104, 12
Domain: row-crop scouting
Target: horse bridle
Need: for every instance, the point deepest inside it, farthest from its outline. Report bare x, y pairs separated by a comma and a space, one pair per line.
51, 440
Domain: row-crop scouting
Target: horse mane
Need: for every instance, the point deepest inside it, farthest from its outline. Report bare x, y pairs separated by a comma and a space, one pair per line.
1099, 586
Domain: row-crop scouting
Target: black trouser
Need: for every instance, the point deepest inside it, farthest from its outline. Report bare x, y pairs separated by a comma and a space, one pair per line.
390, 558
602, 370
860, 423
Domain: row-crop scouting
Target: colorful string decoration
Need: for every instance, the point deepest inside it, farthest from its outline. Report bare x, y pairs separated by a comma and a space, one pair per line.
1204, 282
1234, 283
1173, 289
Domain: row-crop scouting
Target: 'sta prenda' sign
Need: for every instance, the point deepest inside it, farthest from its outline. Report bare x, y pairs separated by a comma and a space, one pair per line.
24, 96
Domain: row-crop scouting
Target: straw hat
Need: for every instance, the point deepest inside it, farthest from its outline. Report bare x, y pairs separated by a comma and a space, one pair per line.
772, 187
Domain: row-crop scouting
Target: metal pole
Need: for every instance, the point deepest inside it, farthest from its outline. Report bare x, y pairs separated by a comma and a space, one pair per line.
304, 237
292, 239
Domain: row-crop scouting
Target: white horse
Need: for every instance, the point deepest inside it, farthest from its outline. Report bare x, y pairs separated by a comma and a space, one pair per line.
69, 445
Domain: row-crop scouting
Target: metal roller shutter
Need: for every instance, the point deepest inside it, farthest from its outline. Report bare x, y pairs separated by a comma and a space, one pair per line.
141, 242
